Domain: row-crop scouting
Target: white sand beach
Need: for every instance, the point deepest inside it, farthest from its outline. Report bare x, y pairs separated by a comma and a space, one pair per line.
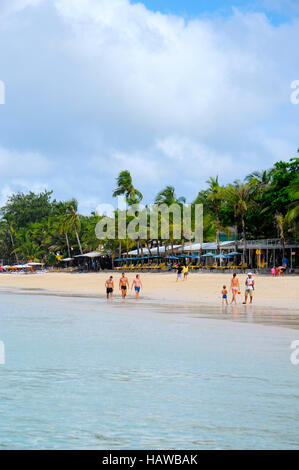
200, 288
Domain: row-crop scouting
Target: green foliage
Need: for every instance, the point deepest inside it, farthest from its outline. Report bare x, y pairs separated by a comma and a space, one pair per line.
265, 205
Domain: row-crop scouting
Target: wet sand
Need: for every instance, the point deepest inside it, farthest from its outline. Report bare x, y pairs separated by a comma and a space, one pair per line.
200, 288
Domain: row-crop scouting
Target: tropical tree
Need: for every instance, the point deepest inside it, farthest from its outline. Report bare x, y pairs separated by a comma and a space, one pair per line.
72, 221
280, 222
293, 191
126, 188
232, 199
8, 218
239, 195
168, 197
259, 179
214, 198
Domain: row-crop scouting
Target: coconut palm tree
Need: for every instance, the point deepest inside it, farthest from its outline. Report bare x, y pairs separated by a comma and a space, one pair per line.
11, 230
126, 188
259, 179
280, 222
168, 196
214, 195
240, 194
72, 221
232, 198
293, 213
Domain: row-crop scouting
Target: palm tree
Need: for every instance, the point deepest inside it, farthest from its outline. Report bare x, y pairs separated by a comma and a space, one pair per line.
259, 179
240, 194
232, 198
293, 212
214, 200
11, 229
126, 188
167, 196
72, 222
63, 230
280, 222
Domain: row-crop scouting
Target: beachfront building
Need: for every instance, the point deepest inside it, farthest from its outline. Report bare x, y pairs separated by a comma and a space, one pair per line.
257, 254
260, 254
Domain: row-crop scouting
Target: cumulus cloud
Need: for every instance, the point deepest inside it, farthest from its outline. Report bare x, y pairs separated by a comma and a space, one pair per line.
108, 85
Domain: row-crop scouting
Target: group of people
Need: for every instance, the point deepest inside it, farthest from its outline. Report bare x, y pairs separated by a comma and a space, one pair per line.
278, 271
182, 271
124, 285
235, 288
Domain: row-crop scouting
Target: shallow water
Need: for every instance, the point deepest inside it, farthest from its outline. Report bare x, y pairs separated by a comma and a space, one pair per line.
84, 373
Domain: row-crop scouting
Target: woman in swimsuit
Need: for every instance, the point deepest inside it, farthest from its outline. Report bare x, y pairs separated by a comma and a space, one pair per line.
137, 284
235, 287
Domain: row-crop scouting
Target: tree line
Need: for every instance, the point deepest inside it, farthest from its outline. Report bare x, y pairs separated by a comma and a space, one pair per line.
264, 205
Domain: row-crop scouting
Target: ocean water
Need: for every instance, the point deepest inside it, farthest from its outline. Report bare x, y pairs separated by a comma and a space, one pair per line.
87, 374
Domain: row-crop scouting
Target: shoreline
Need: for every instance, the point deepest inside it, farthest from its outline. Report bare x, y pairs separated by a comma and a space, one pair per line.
199, 289
273, 317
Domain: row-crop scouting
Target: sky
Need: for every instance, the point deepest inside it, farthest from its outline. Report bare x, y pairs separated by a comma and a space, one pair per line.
173, 91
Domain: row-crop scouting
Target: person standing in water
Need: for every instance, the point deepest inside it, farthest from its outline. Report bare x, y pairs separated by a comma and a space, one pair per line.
123, 285
249, 288
137, 284
224, 295
109, 284
235, 287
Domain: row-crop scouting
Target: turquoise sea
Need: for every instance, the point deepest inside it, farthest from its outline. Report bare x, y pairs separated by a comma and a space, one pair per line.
86, 374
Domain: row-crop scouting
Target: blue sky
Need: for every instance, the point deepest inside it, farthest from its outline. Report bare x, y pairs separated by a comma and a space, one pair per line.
277, 11
173, 94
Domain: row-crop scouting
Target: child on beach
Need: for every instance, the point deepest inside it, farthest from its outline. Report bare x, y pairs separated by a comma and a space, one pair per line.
185, 272
224, 296
137, 284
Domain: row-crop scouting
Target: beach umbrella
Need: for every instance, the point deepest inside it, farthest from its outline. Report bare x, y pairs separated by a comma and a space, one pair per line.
220, 256
208, 254
234, 253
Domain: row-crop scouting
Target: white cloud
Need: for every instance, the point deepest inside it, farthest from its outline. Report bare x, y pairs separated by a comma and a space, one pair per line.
14, 164
114, 85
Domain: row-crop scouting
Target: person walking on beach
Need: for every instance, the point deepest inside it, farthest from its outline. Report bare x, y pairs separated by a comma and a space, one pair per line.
249, 288
235, 287
179, 272
109, 284
137, 284
224, 296
185, 272
123, 285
